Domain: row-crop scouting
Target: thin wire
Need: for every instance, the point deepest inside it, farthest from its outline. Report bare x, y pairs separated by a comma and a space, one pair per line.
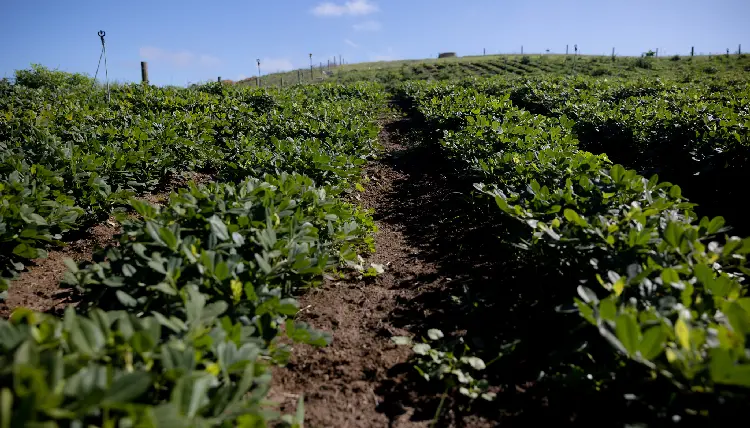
106, 70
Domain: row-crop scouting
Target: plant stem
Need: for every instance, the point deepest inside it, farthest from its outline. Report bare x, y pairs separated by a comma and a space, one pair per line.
440, 406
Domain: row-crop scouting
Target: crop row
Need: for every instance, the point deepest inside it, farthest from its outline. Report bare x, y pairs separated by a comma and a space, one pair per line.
664, 288
693, 134
179, 321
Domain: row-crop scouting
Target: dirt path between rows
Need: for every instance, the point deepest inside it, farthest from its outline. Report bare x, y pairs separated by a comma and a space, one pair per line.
363, 379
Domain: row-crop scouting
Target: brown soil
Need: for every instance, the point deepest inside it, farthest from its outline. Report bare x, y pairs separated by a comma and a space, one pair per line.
363, 379
38, 287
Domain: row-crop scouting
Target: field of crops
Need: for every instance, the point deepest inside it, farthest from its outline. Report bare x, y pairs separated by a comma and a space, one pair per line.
178, 320
616, 279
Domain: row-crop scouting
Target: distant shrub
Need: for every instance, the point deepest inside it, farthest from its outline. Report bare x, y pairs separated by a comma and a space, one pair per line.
747, 68
41, 77
710, 69
525, 60
600, 71
644, 63
675, 58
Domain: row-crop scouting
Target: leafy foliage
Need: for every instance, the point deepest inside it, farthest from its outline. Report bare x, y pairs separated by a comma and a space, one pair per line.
671, 287
178, 322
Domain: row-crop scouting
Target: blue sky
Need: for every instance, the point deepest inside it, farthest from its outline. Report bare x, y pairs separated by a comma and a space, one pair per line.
189, 41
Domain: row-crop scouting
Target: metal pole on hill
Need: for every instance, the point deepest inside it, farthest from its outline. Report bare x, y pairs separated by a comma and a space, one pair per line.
144, 72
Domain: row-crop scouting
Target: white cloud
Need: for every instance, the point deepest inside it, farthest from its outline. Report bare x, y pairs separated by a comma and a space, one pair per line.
351, 43
272, 65
183, 58
354, 7
367, 26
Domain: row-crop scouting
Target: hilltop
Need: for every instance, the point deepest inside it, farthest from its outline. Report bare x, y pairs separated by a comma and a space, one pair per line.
390, 72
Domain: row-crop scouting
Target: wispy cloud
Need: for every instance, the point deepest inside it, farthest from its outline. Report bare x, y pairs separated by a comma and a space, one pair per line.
351, 43
367, 26
272, 65
354, 8
180, 59
388, 55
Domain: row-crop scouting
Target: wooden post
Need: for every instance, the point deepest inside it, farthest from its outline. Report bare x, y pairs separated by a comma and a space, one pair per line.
144, 72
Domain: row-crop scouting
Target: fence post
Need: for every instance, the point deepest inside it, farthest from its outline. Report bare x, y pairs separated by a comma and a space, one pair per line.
144, 72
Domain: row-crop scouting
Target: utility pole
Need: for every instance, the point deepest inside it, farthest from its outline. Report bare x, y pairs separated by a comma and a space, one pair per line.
566, 50
258, 72
692, 51
311, 68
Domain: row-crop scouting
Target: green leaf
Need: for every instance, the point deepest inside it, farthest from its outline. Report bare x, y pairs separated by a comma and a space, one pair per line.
127, 388
475, 362
218, 227
421, 348
608, 309
434, 334
628, 332
126, 299
26, 251
715, 225
263, 264
653, 342
573, 216
401, 340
